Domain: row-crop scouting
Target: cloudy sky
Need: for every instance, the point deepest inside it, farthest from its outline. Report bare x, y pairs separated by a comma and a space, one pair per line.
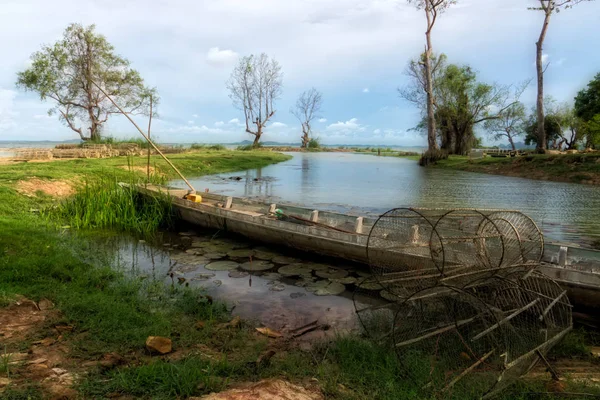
354, 51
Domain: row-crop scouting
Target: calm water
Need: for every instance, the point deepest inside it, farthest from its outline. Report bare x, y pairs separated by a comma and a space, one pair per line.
365, 184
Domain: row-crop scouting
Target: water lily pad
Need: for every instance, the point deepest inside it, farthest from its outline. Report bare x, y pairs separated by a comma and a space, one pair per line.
369, 284
218, 248
314, 286
297, 294
333, 289
349, 280
294, 270
217, 282
241, 253
191, 251
277, 288
257, 265
304, 282
332, 273
203, 277
285, 260
185, 268
317, 266
264, 255
222, 266
271, 276
364, 274
238, 274
214, 256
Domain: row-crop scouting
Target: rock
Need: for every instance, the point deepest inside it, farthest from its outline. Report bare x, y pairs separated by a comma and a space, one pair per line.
45, 304
61, 392
595, 351
159, 344
27, 304
37, 361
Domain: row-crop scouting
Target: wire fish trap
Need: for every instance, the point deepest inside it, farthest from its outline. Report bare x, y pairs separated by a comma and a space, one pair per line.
416, 248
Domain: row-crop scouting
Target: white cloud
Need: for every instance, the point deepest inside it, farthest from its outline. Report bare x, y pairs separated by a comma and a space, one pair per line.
191, 122
366, 90
234, 121
219, 123
195, 116
278, 125
221, 58
561, 61
347, 128
377, 131
322, 119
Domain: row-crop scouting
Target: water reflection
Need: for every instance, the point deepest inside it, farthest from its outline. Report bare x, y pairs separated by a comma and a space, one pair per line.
365, 184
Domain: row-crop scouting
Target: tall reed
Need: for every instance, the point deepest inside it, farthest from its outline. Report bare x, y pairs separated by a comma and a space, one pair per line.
104, 203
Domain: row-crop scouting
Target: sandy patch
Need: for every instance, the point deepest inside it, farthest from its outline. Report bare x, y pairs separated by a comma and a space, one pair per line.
270, 389
52, 188
141, 169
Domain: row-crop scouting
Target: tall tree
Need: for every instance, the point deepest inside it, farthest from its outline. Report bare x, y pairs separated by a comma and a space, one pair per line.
462, 103
587, 101
66, 72
254, 85
432, 9
306, 109
548, 7
509, 123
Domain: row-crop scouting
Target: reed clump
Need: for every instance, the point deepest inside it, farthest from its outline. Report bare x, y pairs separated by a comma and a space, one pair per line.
105, 203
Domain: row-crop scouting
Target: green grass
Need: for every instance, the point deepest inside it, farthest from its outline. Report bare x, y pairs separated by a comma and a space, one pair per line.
576, 168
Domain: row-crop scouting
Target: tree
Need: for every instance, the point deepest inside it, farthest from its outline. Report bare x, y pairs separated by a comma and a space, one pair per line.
416, 91
66, 72
587, 101
306, 110
509, 123
548, 7
462, 102
254, 85
432, 9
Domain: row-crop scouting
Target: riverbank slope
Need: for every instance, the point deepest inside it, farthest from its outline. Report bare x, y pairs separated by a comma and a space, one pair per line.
575, 168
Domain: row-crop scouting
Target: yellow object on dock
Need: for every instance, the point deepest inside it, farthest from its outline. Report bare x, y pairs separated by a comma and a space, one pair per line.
196, 198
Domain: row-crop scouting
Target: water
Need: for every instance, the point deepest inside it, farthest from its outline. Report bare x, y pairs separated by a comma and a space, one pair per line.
366, 184
251, 296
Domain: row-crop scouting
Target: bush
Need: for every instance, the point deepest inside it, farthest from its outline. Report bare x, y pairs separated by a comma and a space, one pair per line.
432, 157
200, 146
314, 144
249, 147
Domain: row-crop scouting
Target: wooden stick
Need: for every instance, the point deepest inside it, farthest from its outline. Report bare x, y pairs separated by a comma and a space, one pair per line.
552, 304
437, 332
552, 340
505, 320
149, 125
466, 371
552, 371
192, 190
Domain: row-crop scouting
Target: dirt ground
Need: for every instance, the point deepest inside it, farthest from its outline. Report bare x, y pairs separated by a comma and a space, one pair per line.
54, 188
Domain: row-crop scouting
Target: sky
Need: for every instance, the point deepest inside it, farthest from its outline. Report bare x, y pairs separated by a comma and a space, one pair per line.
354, 51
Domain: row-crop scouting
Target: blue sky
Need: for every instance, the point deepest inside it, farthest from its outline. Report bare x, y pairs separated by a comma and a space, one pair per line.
354, 51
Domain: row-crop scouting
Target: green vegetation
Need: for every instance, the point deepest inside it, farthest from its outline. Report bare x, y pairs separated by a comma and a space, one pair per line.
196, 146
250, 147
67, 71
577, 168
314, 144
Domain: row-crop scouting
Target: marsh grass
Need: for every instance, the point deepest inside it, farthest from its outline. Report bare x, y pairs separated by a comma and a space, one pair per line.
105, 203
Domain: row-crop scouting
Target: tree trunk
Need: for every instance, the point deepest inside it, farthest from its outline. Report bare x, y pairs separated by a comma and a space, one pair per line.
541, 132
431, 131
257, 136
305, 137
511, 141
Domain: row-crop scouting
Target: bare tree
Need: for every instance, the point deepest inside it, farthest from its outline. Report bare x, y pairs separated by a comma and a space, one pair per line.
510, 121
254, 85
416, 91
432, 9
306, 110
549, 7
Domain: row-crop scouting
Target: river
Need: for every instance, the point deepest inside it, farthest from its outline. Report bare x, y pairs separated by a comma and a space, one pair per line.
366, 184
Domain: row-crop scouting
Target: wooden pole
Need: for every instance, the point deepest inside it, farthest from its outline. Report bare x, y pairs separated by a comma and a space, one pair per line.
192, 190
149, 125
466, 371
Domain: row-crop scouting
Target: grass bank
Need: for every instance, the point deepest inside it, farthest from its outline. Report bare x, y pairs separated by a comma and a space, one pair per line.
575, 168
100, 318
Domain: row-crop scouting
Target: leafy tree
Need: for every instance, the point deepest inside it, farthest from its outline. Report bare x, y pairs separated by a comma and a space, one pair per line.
592, 131
67, 72
553, 131
254, 85
432, 10
462, 102
306, 110
509, 123
549, 7
587, 101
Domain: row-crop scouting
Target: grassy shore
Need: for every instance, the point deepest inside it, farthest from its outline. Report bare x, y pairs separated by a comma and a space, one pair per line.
101, 318
576, 168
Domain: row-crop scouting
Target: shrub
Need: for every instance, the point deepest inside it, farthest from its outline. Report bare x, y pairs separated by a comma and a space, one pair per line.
314, 144
432, 157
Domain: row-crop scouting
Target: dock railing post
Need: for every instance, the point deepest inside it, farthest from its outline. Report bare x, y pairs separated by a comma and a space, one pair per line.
314, 216
228, 202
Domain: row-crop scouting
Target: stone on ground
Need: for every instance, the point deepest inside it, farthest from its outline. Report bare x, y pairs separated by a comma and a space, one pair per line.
159, 344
